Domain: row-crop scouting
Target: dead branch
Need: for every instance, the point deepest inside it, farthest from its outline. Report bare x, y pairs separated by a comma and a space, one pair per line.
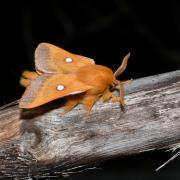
44, 143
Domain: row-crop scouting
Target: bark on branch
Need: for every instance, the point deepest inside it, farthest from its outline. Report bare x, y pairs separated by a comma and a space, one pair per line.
42, 142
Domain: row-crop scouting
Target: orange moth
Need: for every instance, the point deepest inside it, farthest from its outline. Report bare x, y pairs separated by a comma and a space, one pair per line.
60, 73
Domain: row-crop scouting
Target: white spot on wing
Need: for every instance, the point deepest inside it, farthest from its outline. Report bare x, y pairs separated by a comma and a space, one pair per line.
60, 87
68, 60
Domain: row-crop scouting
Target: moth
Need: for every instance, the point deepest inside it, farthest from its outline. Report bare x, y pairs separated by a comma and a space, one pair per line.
60, 73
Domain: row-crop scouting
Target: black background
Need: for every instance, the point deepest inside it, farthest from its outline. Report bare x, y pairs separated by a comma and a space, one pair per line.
105, 31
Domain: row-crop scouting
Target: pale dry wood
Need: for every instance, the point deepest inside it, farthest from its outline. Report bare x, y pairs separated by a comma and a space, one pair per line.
42, 142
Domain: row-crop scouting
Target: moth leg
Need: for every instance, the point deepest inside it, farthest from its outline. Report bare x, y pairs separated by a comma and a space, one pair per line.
122, 93
89, 102
120, 98
72, 101
106, 96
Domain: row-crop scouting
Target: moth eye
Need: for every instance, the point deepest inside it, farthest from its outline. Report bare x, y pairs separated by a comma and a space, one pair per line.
60, 87
68, 60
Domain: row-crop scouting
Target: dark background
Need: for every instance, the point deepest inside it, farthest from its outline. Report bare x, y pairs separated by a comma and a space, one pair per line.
105, 31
